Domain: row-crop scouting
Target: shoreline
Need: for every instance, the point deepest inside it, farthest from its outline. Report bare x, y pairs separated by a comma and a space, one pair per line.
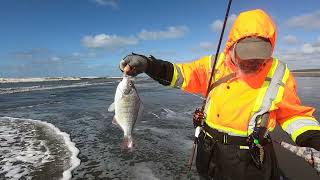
296, 73
306, 74
50, 79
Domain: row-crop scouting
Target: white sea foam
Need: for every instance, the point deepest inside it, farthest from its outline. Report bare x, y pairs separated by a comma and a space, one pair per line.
115, 77
75, 161
150, 84
172, 115
143, 172
16, 80
155, 115
169, 113
19, 149
19, 159
159, 130
39, 88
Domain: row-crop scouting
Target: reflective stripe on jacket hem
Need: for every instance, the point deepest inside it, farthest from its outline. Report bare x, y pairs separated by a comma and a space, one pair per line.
228, 130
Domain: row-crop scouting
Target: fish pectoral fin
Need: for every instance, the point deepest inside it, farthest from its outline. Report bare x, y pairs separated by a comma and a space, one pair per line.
111, 107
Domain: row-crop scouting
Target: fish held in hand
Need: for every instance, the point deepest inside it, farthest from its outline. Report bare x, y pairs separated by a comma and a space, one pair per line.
128, 109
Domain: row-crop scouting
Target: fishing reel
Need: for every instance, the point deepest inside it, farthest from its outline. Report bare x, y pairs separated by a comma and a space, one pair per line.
256, 151
198, 117
256, 141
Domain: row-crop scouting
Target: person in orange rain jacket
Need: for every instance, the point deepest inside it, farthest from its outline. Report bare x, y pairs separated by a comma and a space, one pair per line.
248, 85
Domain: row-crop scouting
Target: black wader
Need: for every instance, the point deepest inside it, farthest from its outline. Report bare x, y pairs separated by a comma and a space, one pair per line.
219, 161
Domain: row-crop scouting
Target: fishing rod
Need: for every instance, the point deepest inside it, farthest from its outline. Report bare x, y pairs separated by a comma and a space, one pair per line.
199, 115
218, 49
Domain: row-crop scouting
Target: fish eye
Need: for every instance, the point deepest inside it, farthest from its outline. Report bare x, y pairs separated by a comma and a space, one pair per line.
130, 84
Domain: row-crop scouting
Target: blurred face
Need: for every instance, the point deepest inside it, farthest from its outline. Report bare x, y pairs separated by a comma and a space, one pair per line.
250, 66
247, 66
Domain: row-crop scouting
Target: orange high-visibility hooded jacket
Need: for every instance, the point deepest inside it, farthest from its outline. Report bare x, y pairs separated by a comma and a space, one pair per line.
231, 105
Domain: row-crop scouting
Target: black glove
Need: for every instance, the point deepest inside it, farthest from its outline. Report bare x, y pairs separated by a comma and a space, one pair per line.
309, 138
157, 69
138, 64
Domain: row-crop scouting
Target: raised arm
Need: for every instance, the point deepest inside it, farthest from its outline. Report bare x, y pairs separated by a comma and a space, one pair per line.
192, 77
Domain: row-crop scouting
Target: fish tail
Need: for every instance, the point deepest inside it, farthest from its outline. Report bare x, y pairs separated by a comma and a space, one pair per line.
127, 142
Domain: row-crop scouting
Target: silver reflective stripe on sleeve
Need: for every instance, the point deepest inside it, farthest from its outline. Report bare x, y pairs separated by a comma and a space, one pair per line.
271, 93
180, 78
297, 124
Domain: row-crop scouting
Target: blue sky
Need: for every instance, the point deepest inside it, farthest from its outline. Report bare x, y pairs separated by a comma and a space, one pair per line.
40, 38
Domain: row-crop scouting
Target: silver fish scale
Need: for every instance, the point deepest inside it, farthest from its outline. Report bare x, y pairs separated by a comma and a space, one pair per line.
127, 111
128, 106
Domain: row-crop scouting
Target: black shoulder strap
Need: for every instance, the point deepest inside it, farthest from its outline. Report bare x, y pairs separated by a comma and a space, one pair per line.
222, 80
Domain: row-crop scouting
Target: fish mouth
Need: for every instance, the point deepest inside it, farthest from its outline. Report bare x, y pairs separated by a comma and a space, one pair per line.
126, 91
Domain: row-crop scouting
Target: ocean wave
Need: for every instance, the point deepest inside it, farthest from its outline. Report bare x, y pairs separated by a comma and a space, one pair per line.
26, 148
39, 88
45, 79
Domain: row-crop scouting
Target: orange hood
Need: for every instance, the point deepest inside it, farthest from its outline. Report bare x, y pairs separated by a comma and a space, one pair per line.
252, 23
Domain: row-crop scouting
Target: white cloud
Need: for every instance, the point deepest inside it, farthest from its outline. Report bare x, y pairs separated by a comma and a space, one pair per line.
79, 56
172, 32
206, 46
108, 41
163, 54
307, 48
309, 21
38, 62
290, 39
111, 42
317, 43
55, 58
218, 24
305, 57
112, 3
76, 54
43, 56
310, 48
300, 60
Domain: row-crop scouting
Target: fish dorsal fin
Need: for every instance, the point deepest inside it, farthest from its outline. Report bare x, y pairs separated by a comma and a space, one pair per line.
111, 107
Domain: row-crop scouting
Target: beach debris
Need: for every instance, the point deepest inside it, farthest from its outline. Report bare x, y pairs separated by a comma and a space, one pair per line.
128, 109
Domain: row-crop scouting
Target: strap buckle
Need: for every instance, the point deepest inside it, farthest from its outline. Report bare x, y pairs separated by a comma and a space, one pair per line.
225, 138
